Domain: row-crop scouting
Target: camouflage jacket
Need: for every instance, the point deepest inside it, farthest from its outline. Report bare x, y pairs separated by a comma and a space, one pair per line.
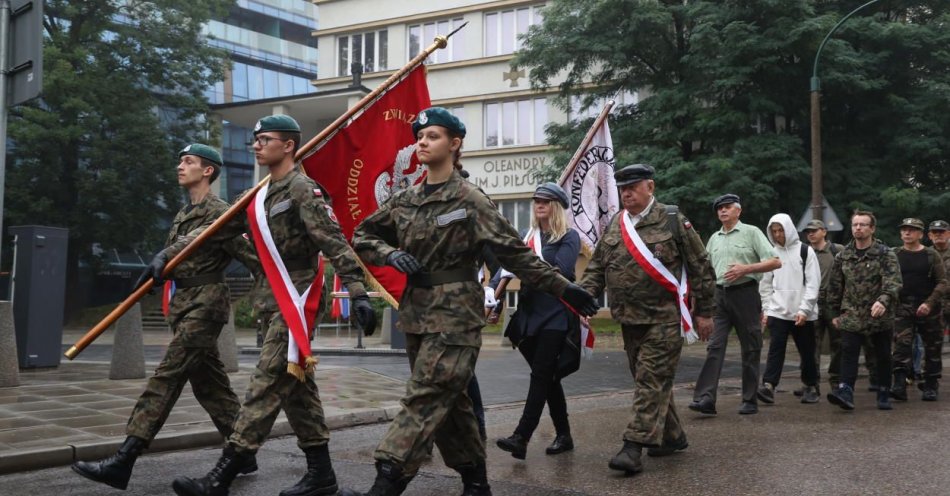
211, 301
300, 223
945, 256
634, 296
447, 230
857, 282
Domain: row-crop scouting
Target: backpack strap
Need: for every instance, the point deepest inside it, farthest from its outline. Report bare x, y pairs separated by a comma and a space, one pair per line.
673, 223
804, 254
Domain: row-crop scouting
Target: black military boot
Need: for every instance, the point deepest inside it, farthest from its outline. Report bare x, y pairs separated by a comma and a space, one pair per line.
319, 479
929, 389
115, 470
218, 480
628, 459
884, 399
515, 444
474, 479
899, 391
389, 482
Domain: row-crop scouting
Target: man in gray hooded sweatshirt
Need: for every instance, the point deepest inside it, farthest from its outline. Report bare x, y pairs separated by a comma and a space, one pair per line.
790, 307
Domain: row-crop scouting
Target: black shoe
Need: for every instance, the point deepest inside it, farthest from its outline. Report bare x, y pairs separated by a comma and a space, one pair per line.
842, 396
748, 408
561, 443
669, 447
116, 470
884, 399
319, 479
219, 479
811, 394
929, 390
474, 479
389, 482
628, 458
766, 393
899, 391
704, 406
514, 444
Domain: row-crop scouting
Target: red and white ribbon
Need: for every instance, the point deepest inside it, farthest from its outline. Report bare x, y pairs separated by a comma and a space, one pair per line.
299, 310
659, 273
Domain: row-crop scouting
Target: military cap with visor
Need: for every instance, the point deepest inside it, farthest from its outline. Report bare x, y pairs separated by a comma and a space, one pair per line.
551, 191
912, 222
438, 116
940, 225
278, 123
633, 174
726, 199
203, 151
814, 225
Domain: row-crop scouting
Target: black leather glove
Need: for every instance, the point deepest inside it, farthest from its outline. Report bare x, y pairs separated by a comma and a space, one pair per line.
365, 315
403, 262
154, 271
578, 298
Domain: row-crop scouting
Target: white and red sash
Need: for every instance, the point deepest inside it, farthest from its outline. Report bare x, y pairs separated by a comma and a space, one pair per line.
659, 273
168, 292
299, 310
533, 240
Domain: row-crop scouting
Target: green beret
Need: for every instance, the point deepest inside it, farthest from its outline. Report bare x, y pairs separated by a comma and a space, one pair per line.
203, 151
283, 123
633, 173
438, 116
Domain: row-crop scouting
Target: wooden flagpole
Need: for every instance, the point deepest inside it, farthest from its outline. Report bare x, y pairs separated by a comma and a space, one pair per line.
238, 207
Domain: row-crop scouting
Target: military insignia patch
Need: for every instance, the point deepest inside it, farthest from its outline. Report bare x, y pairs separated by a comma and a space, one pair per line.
280, 207
317, 192
186, 149
423, 118
446, 219
257, 127
687, 224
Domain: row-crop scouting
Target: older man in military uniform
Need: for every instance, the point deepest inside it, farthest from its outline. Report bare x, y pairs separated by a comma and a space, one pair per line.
924, 286
644, 260
298, 227
939, 234
863, 295
197, 311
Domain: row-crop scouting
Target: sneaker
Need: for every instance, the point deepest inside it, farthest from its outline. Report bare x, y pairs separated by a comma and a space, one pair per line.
811, 394
766, 393
842, 396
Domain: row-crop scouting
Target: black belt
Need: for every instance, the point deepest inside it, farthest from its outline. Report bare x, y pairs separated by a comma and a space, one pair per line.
737, 286
199, 280
298, 264
430, 279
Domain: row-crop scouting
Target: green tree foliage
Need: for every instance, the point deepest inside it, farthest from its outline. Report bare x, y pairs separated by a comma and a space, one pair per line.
723, 99
122, 93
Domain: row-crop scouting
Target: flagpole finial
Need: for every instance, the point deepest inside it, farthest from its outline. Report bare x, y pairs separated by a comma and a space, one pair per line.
441, 41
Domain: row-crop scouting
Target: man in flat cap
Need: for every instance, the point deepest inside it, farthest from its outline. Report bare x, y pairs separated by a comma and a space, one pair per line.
291, 226
940, 236
739, 254
918, 313
647, 259
198, 306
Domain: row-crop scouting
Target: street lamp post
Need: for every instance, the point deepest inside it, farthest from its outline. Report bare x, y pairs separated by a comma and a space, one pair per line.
817, 200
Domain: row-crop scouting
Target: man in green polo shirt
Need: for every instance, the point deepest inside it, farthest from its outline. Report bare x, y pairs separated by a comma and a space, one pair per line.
739, 254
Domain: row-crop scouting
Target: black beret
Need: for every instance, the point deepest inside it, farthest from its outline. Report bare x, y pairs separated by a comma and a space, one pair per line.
633, 173
551, 191
725, 199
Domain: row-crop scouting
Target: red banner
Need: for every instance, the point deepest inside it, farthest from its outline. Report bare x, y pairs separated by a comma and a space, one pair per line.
371, 158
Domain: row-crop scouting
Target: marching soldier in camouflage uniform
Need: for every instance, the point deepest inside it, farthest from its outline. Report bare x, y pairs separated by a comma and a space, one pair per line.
301, 228
940, 236
198, 310
924, 286
862, 296
435, 233
648, 312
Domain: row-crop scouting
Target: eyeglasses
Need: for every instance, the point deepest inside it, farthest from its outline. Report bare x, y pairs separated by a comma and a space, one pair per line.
264, 140
860, 224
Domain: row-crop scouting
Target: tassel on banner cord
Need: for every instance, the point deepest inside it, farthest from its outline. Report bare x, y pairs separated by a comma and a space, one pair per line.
296, 370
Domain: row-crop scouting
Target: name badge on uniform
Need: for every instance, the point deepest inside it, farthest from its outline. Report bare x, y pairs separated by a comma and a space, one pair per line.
280, 207
446, 219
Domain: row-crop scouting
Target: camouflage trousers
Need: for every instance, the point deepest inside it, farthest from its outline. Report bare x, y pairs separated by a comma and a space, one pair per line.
272, 389
653, 351
436, 407
192, 356
906, 327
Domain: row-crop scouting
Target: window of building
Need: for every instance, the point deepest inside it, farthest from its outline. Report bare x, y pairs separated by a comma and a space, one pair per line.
503, 28
515, 123
370, 49
422, 35
518, 213
577, 113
